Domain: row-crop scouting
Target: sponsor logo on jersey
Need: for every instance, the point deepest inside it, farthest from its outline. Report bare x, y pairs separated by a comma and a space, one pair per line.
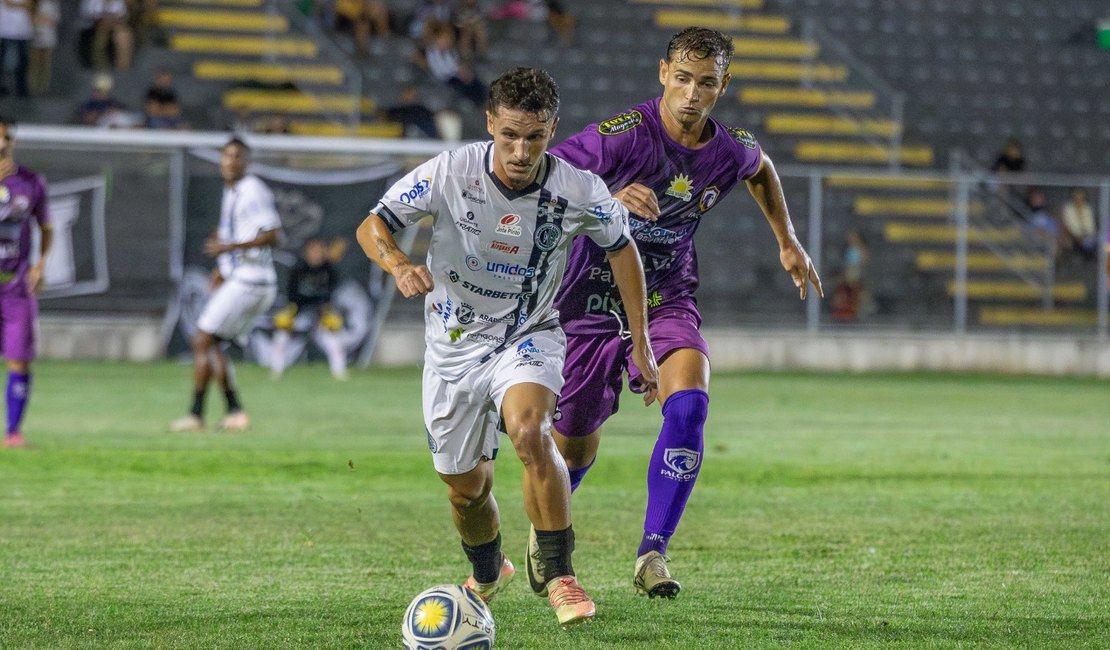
682, 462
494, 293
509, 225
620, 123
548, 236
657, 261
465, 314
432, 444
496, 320
743, 137
709, 196
602, 216
602, 273
467, 224
453, 276
650, 233
456, 334
681, 188
473, 263
474, 193
509, 249
420, 189
526, 348
444, 311
603, 303
479, 337
514, 270
654, 300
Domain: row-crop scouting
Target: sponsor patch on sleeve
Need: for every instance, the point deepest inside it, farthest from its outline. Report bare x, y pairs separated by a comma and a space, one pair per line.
620, 123
743, 137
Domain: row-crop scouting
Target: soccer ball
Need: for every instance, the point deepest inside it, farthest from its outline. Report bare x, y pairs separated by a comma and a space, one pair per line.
447, 617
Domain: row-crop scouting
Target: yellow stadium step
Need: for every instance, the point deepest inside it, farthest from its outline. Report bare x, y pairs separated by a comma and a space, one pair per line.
774, 48
885, 183
945, 261
867, 206
244, 45
1037, 317
723, 21
920, 233
860, 152
810, 124
739, 4
229, 21
808, 97
267, 72
220, 3
780, 71
363, 130
292, 101
1016, 290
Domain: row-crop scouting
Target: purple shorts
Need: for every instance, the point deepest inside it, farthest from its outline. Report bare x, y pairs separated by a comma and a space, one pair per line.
18, 315
595, 366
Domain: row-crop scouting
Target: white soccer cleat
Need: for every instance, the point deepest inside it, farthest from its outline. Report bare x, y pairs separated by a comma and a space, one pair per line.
237, 421
533, 562
188, 424
653, 578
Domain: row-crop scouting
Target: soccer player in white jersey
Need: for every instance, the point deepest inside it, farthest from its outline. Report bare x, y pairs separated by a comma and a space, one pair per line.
504, 214
244, 280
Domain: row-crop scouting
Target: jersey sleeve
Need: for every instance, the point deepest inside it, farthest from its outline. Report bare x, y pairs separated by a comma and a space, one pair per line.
748, 153
259, 210
605, 218
41, 211
413, 197
592, 151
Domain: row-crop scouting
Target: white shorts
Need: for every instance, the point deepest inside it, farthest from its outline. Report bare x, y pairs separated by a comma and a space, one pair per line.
231, 310
463, 417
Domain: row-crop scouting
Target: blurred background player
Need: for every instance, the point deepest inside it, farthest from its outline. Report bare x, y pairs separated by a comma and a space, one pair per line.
312, 282
22, 202
504, 214
669, 163
244, 281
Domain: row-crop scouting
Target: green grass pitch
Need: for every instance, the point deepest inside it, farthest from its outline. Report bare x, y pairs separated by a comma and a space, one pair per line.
832, 511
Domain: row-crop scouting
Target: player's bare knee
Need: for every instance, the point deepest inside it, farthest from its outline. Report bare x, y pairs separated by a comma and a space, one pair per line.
465, 498
531, 438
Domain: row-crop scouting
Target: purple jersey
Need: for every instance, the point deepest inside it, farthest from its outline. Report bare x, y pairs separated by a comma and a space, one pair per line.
633, 147
22, 198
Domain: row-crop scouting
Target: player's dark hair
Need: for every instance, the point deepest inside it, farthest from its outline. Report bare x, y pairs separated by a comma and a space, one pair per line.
238, 142
701, 43
531, 90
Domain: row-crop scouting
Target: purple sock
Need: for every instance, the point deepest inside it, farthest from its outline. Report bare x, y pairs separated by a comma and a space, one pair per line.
579, 473
674, 466
19, 390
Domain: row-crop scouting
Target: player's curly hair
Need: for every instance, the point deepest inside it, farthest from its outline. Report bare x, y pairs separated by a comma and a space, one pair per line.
531, 90
701, 43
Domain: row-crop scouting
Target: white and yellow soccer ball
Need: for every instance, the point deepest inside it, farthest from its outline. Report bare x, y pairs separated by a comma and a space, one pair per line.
447, 617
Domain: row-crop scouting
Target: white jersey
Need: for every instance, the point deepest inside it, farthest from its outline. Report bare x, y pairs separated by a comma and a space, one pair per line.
497, 255
246, 211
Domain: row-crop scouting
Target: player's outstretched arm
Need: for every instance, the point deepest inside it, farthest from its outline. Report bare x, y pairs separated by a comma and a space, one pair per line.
378, 244
640, 200
628, 272
766, 189
213, 246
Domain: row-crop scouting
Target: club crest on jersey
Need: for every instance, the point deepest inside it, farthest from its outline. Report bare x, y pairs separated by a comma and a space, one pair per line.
620, 123
743, 137
681, 188
709, 196
681, 460
509, 225
547, 236
465, 314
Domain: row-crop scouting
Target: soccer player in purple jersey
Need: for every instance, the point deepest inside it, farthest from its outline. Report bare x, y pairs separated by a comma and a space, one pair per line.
22, 201
670, 163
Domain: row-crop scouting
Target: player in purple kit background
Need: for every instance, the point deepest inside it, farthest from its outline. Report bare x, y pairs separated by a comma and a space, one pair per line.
22, 201
669, 163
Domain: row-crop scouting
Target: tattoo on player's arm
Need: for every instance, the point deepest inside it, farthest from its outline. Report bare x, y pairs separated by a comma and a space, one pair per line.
388, 250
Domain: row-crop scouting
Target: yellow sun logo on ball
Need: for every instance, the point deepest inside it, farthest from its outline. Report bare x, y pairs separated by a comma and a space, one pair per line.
681, 187
431, 615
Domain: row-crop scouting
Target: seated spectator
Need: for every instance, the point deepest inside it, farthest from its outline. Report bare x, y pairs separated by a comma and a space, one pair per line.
428, 13
363, 18
473, 33
1042, 225
440, 58
161, 109
103, 110
1011, 159
16, 32
418, 119
1079, 222
46, 18
110, 27
553, 12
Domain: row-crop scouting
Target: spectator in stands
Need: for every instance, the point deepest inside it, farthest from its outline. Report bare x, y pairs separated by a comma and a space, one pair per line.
16, 32
851, 298
441, 59
417, 118
1079, 223
161, 110
430, 13
1042, 225
553, 12
47, 15
112, 37
473, 33
363, 18
95, 110
1011, 159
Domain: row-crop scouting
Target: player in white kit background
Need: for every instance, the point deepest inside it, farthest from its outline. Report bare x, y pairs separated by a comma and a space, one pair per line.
503, 216
244, 281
